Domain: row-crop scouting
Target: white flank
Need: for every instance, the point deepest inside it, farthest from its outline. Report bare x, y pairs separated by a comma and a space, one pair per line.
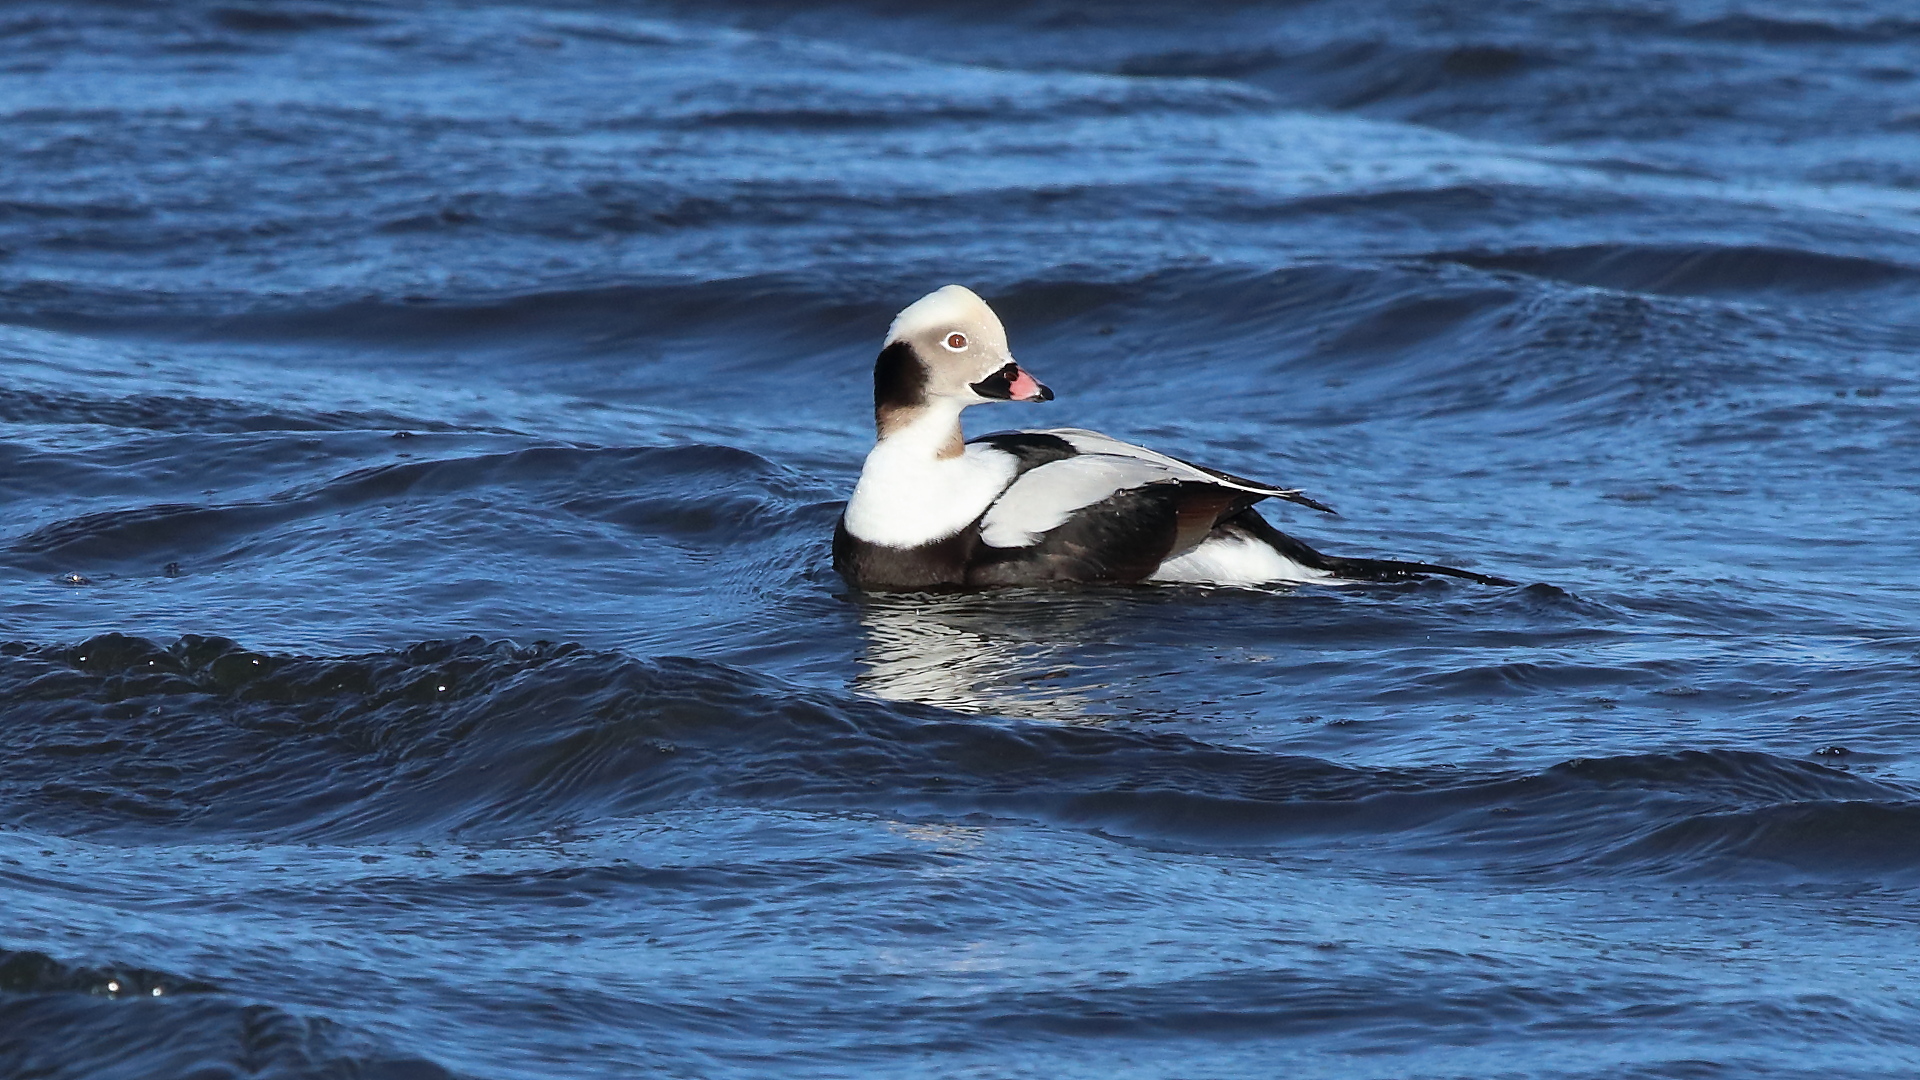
1236, 560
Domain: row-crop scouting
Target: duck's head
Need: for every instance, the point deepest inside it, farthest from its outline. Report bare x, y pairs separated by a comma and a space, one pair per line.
947, 348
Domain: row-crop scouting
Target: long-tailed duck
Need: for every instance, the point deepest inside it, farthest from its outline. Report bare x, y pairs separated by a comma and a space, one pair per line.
935, 510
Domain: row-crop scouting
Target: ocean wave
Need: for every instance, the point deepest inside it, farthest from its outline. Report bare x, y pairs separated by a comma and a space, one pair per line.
605, 316
664, 491
472, 740
180, 413
63, 1020
1349, 74
1697, 269
27, 972
1811, 27
293, 18
1460, 334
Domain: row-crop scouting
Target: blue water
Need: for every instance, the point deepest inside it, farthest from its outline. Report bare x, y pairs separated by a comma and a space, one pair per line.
422, 428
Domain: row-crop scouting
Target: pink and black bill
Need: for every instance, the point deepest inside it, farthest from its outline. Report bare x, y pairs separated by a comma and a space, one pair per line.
1012, 384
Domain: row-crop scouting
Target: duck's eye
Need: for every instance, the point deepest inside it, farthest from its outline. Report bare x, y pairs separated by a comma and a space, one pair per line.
956, 341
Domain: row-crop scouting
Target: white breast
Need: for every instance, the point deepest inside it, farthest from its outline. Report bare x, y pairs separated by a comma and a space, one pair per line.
906, 497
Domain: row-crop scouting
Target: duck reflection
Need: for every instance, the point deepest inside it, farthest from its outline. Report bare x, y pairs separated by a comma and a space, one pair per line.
1019, 653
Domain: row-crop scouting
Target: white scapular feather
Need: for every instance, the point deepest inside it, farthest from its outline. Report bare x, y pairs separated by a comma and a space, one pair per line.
1093, 442
1047, 497
1043, 499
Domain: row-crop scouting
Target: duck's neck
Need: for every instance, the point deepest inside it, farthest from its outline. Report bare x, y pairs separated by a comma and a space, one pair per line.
928, 430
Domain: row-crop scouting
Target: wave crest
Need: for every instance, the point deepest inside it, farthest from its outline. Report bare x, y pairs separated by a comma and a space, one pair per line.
473, 740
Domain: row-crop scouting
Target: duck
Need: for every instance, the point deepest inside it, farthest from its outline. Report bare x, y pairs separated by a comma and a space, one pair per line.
934, 510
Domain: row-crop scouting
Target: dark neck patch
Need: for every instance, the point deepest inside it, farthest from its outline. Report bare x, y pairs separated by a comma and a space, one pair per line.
899, 380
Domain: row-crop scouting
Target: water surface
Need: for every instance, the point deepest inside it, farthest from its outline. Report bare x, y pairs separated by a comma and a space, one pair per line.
422, 428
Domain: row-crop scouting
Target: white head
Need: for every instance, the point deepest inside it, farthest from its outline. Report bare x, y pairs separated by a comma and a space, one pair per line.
947, 348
